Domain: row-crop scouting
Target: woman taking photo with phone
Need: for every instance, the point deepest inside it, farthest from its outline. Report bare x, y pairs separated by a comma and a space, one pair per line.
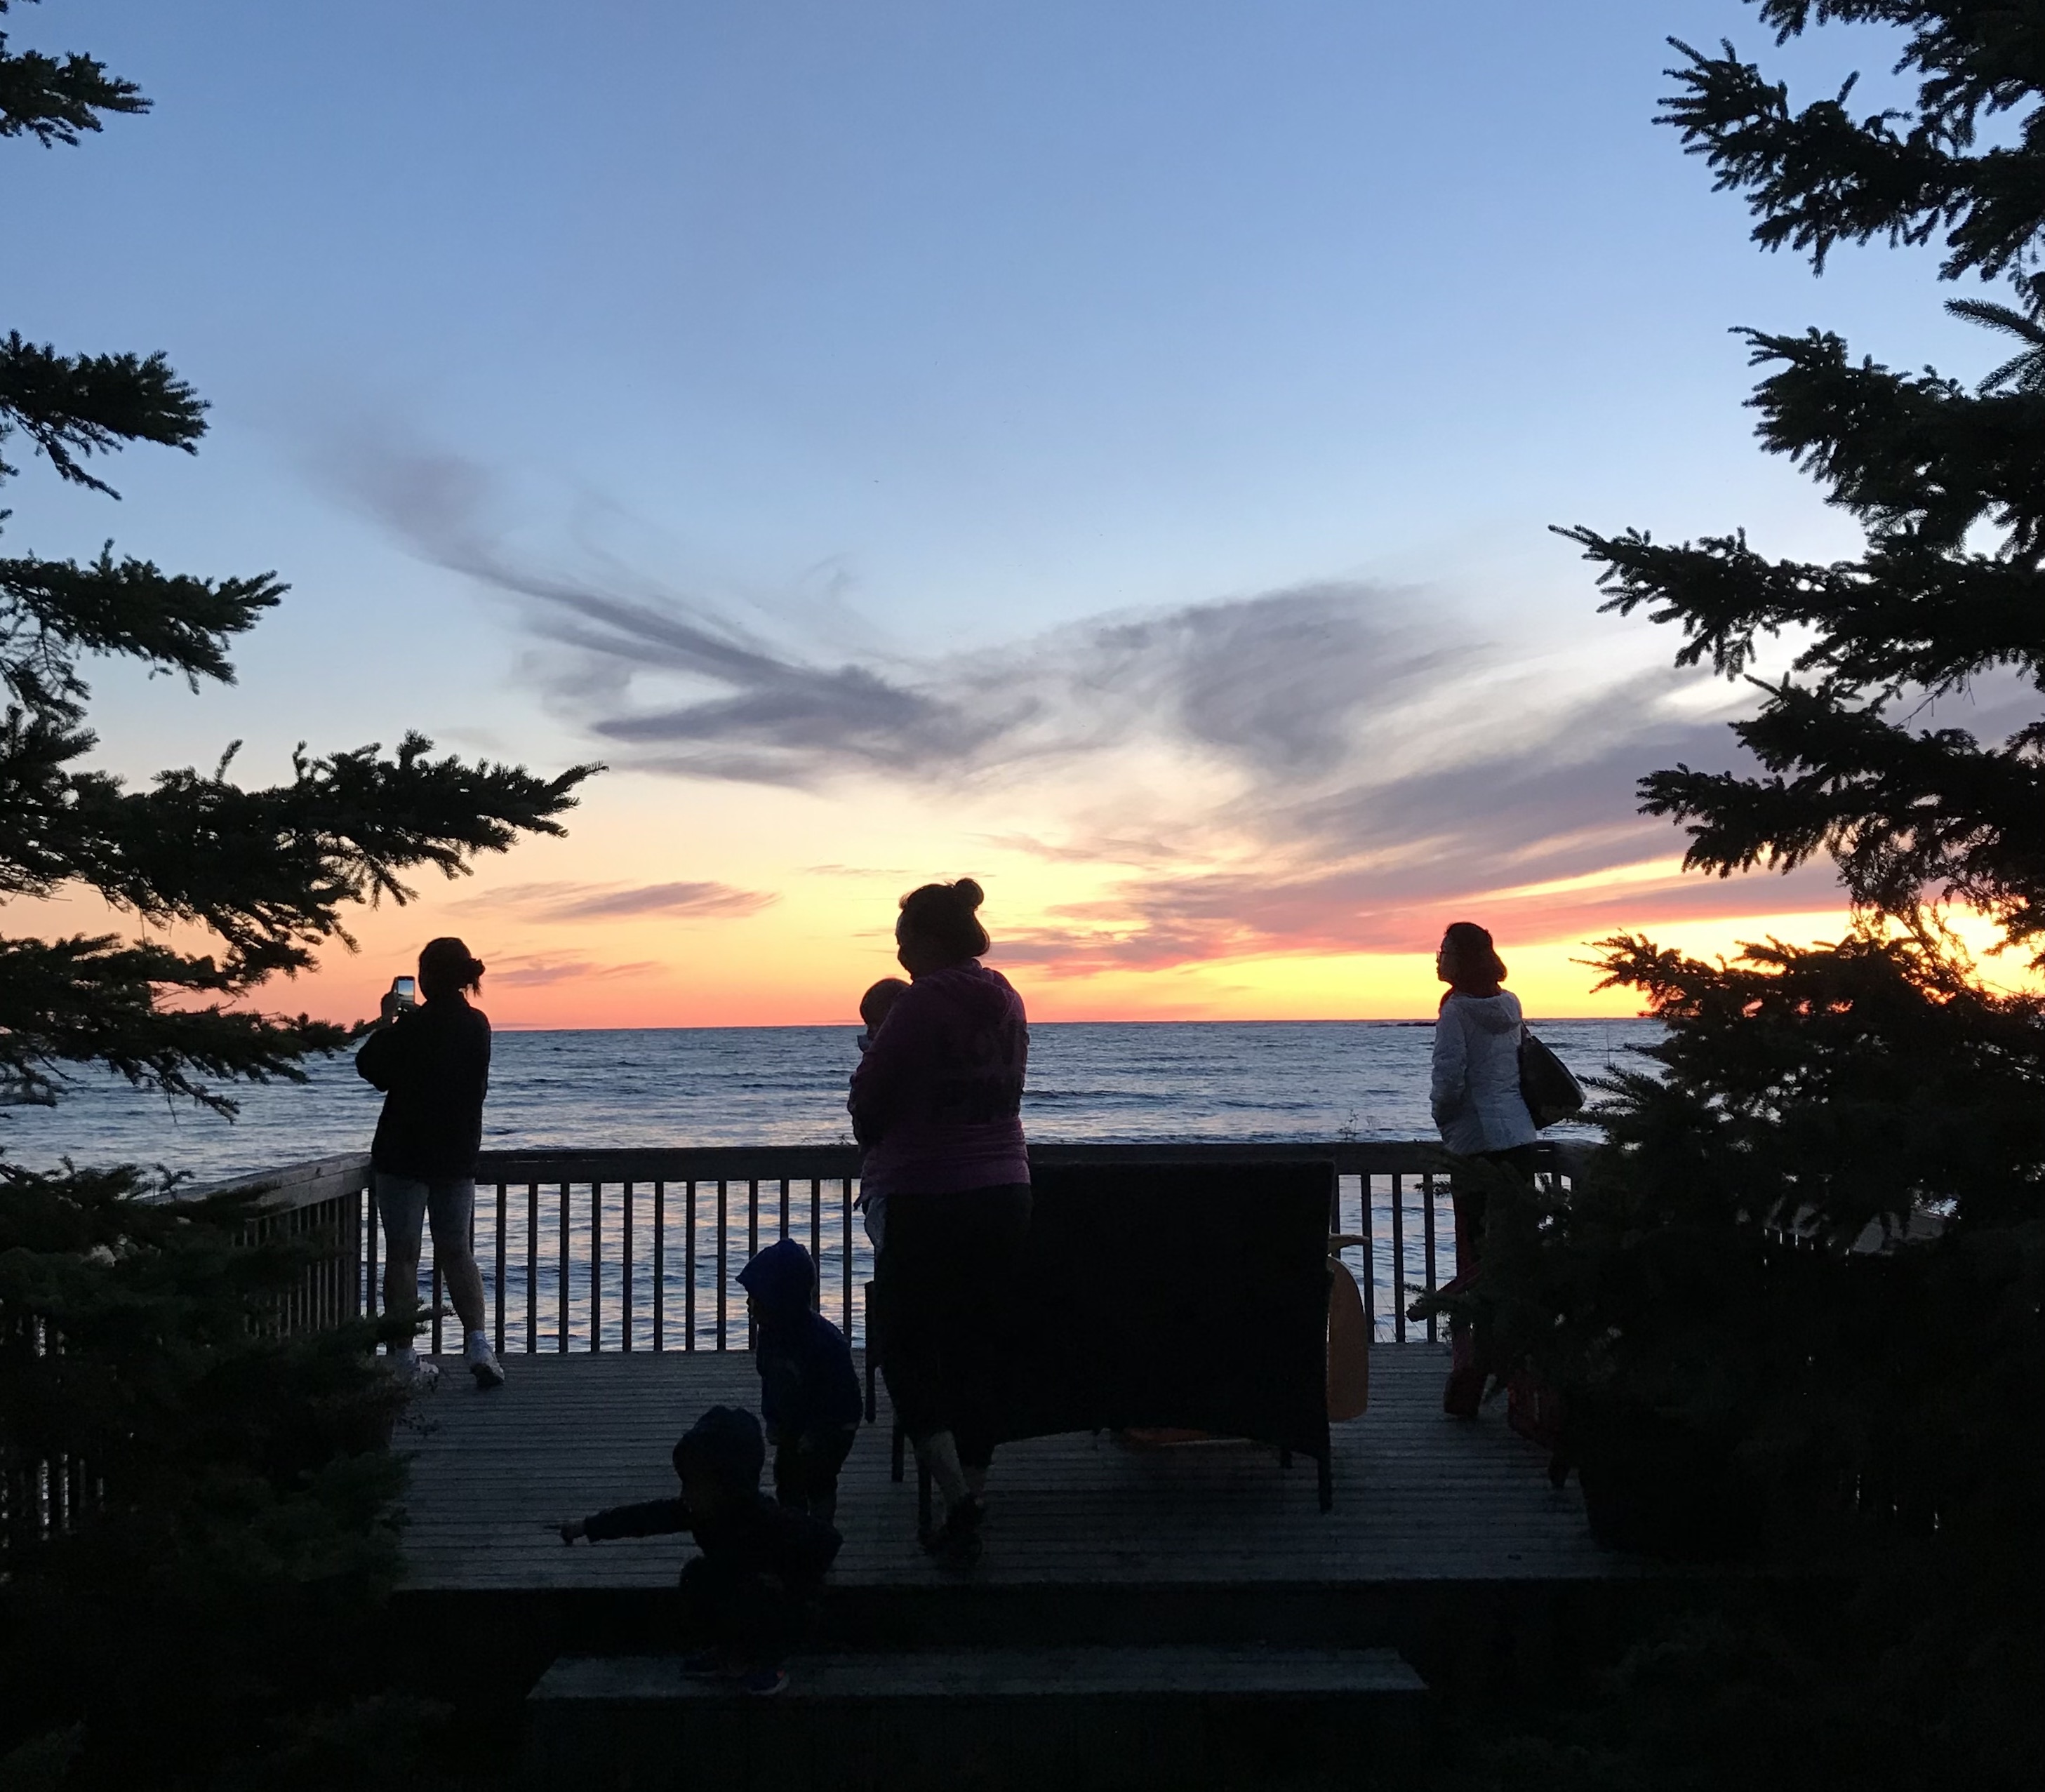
1478, 1110
432, 1063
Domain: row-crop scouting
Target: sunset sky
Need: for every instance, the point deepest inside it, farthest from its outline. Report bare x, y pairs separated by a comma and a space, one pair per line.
1106, 448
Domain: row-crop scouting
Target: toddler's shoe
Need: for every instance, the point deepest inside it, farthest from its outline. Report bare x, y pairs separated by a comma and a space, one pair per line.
762, 1682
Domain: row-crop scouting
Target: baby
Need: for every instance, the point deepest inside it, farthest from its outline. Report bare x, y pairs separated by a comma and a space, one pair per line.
874, 1008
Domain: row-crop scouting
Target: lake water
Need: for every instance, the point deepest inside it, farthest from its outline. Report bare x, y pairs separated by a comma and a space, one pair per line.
1158, 1082
754, 1085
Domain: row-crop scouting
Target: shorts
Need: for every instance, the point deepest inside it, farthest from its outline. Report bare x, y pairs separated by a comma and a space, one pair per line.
404, 1203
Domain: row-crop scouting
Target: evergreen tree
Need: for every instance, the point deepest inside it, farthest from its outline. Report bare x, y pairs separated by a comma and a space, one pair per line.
1735, 1370
212, 1594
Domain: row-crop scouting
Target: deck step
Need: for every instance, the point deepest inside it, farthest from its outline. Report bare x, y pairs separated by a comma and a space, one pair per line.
1079, 1718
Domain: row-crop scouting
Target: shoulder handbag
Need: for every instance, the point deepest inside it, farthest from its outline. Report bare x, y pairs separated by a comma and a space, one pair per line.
1551, 1093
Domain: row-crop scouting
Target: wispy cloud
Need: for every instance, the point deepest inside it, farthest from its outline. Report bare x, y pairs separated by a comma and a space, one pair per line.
603, 901
538, 972
1333, 766
1274, 683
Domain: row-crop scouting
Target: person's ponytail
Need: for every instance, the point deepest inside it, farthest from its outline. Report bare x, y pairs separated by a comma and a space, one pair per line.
445, 966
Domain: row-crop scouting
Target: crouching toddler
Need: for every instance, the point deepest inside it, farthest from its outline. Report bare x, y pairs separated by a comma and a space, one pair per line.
748, 1599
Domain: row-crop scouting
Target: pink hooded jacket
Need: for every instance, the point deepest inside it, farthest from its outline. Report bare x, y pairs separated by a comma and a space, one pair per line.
937, 1101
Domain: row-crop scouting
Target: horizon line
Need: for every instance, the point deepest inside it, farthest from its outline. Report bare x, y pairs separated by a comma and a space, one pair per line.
809, 1026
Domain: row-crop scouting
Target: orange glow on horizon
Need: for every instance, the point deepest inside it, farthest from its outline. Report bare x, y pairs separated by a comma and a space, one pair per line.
617, 927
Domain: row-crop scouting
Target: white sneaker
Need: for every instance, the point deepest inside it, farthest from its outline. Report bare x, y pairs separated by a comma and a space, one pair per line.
418, 1376
483, 1365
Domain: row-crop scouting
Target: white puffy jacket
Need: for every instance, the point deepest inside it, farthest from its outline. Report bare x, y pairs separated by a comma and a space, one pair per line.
1476, 1088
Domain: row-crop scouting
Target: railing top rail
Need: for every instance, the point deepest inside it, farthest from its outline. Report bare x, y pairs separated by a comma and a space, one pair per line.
305, 1185
554, 1163
292, 1185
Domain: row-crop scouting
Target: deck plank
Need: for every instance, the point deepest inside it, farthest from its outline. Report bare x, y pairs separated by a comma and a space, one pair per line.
1175, 1671
1418, 1496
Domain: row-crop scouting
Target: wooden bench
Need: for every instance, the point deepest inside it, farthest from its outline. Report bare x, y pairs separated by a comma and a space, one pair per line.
1190, 1296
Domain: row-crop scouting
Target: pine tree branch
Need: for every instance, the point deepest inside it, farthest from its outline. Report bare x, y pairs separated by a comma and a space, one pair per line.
1919, 452
82, 1000
1906, 617
1907, 817
1821, 176
51, 610
73, 407
1858, 1080
268, 870
54, 100
42, 801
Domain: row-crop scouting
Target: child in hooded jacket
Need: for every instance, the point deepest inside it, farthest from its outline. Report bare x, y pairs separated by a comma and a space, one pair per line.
747, 1599
809, 1391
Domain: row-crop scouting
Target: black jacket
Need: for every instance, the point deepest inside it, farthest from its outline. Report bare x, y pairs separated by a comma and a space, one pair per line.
807, 1382
752, 1535
433, 1064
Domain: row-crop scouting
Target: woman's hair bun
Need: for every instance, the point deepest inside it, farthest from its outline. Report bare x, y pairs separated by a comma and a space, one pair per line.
943, 914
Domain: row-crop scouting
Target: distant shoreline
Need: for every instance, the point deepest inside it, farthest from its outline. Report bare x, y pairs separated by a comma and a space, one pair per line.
853, 1020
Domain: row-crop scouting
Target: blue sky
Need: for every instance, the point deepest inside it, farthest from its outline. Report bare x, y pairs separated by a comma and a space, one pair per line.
885, 335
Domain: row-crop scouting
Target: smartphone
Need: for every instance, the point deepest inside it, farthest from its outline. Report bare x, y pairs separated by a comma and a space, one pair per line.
406, 990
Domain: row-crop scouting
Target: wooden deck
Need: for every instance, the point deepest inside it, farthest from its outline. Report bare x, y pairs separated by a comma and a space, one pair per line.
1418, 1498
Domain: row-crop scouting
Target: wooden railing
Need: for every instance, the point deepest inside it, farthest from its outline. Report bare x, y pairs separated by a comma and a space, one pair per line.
637, 1248
323, 1205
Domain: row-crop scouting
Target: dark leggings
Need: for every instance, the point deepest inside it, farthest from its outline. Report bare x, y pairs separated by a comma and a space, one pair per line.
947, 1282
1469, 1206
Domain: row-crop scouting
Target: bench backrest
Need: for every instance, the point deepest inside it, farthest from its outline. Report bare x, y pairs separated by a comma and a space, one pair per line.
1181, 1295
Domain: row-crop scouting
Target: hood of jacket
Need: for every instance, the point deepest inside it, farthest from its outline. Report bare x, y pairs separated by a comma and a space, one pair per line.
982, 996
781, 1279
1489, 1013
727, 1442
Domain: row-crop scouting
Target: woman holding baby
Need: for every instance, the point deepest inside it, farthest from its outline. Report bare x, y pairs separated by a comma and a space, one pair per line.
937, 1103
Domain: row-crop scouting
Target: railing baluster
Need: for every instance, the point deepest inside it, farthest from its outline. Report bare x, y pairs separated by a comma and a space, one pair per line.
817, 1236
437, 1303
660, 1264
595, 1265
625, 1310
1427, 1193
785, 1182
721, 1277
1398, 1257
689, 1274
844, 1256
532, 1268
561, 1334
751, 1239
1369, 1229
500, 1269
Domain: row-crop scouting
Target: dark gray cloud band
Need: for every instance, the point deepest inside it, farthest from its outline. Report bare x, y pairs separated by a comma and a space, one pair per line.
1372, 765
